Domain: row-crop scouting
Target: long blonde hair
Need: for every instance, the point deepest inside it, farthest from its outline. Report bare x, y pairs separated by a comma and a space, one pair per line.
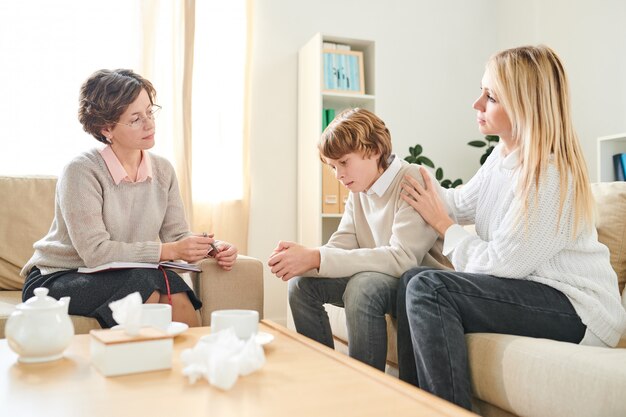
531, 83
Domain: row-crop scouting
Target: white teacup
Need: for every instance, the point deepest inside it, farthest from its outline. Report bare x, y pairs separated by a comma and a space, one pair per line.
156, 315
245, 323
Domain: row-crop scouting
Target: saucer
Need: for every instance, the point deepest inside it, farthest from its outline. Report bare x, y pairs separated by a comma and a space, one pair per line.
263, 338
175, 328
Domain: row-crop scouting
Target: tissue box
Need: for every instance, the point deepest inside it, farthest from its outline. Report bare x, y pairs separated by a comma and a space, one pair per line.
113, 352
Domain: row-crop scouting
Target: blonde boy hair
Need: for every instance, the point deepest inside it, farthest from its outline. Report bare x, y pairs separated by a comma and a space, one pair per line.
531, 84
356, 130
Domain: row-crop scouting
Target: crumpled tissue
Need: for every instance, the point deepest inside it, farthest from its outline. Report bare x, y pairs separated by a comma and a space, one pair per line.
221, 357
127, 313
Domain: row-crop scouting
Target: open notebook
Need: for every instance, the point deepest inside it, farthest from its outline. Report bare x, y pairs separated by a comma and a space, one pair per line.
127, 265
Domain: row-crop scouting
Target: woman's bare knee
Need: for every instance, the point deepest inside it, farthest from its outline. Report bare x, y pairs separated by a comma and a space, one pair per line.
183, 311
155, 297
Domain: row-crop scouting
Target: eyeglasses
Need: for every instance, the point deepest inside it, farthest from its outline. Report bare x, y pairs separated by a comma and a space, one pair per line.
141, 121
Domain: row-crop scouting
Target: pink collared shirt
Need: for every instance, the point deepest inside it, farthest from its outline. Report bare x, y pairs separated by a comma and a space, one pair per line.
118, 172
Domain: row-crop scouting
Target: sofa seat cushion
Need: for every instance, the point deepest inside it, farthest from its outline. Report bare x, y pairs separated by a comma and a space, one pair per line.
82, 324
337, 318
9, 299
541, 377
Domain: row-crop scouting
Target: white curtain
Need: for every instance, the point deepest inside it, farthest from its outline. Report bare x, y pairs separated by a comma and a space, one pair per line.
197, 51
196, 55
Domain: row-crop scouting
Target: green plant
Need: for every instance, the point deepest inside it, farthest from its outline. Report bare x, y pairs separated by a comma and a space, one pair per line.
416, 157
490, 141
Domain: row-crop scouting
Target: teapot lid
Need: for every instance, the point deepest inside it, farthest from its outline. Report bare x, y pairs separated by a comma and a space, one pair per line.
41, 300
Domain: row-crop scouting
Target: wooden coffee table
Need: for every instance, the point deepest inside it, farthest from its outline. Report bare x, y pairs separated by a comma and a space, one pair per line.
300, 378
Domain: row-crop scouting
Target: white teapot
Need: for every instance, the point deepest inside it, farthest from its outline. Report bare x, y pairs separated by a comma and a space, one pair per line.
40, 329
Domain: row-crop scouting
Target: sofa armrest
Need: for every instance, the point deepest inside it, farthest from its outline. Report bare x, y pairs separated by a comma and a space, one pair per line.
239, 288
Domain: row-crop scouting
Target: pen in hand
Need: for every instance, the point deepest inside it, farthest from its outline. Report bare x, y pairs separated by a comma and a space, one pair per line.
214, 249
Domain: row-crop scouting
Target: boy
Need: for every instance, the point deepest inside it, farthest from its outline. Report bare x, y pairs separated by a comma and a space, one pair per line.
379, 238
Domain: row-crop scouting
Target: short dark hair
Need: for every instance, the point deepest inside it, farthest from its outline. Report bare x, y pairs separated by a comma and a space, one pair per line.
356, 130
106, 95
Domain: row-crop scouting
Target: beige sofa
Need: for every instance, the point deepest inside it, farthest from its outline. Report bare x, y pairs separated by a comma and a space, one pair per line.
26, 213
522, 376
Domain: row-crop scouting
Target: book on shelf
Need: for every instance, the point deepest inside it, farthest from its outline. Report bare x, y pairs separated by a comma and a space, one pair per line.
181, 266
342, 71
330, 184
619, 163
333, 45
330, 191
329, 79
328, 115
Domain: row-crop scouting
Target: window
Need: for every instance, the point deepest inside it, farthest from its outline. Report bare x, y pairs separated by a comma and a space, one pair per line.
218, 100
48, 49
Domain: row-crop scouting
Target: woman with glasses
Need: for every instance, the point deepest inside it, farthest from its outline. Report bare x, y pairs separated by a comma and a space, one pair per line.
119, 204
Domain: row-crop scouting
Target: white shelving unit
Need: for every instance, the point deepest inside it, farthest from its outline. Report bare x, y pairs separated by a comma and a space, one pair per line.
607, 147
314, 227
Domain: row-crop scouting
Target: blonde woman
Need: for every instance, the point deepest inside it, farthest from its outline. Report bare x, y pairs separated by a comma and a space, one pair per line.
536, 267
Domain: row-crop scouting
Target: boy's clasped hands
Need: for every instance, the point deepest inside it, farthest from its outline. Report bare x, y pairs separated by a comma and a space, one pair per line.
290, 259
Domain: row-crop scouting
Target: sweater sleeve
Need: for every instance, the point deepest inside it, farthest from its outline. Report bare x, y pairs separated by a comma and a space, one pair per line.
175, 226
521, 243
411, 238
80, 197
462, 201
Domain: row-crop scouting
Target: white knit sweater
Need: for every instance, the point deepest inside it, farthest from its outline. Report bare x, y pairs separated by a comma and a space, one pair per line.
532, 248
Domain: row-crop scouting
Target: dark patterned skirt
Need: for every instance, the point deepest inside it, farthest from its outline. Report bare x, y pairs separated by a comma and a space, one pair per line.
91, 294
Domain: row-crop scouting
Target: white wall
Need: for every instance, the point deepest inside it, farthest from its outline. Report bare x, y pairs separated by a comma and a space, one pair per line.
430, 56
590, 37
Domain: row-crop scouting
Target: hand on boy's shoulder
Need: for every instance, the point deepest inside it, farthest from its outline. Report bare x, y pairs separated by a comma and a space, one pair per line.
290, 259
418, 172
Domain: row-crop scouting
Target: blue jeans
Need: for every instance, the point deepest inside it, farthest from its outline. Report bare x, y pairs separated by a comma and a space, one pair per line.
366, 297
436, 308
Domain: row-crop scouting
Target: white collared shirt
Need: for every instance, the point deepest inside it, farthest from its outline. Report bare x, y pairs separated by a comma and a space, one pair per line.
383, 182
117, 170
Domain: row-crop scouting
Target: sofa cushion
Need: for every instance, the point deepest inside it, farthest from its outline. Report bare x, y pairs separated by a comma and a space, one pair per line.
25, 217
540, 377
8, 301
611, 223
337, 318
